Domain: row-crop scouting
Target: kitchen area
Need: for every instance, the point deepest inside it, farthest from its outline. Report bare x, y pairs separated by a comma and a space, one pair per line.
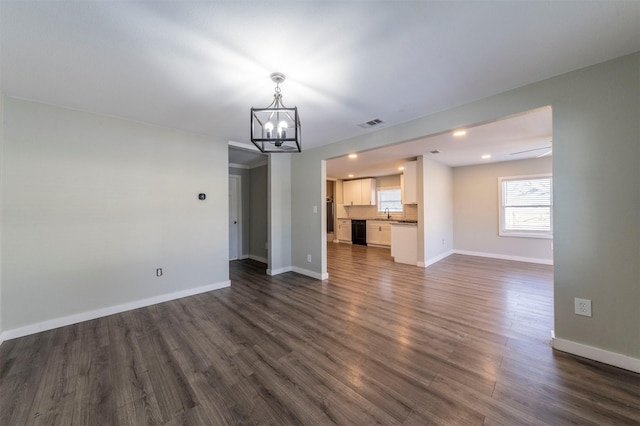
376, 212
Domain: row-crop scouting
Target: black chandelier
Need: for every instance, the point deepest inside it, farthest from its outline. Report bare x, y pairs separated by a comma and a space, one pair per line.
276, 128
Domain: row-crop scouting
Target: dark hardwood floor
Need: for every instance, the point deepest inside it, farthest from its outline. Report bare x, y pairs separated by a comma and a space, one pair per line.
465, 341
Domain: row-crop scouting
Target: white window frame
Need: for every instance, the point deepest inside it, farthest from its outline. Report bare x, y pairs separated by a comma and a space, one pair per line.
523, 233
378, 203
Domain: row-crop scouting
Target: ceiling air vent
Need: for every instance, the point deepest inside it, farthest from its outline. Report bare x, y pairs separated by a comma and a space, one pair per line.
371, 123
435, 151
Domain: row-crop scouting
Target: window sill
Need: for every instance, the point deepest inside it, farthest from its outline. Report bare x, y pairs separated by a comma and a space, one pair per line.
526, 235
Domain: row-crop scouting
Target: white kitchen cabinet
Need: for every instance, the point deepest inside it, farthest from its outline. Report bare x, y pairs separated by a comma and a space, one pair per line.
378, 233
351, 192
404, 243
360, 192
344, 230
409, 182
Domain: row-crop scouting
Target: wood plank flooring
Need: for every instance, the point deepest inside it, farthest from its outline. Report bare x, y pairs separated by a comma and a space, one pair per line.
465, 341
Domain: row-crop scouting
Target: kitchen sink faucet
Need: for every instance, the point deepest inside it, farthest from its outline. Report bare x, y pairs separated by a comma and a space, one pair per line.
388, 214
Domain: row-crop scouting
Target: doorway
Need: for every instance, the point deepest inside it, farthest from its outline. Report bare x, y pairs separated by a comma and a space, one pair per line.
235, 213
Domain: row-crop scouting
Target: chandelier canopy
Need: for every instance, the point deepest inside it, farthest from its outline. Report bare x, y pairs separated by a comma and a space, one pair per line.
276, 128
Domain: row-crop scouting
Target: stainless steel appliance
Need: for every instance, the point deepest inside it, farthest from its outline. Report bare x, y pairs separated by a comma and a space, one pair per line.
330, 216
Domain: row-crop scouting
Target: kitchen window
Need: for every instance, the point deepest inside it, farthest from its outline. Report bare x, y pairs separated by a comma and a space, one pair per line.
389, 198
526, 206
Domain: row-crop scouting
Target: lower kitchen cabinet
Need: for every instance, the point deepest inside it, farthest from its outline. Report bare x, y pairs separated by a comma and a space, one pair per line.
344, 230
378, 233
404, 243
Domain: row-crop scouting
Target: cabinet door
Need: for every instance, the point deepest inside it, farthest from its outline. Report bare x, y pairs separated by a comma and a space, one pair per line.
385, 235
372, 233
351, 193
344, 230
368, 191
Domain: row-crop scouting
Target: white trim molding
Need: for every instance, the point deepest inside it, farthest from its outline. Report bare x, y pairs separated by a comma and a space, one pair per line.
505, 257
312, 274
596, 354
110, 310
278, 271
308, 273
435, 259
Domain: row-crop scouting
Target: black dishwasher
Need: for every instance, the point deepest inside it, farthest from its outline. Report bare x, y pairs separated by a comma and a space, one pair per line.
359, 232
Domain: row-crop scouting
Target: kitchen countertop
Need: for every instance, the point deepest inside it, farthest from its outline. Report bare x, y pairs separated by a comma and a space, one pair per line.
392, 220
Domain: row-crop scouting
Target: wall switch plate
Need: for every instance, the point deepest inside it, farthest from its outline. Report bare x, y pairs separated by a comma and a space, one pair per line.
582, 307
309, 258
159, 272
315, 209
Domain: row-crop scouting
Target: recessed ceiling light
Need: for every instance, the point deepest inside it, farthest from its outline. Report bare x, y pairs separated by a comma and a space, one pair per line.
459, 133
486, 157
353, 155
400, 168
350, 175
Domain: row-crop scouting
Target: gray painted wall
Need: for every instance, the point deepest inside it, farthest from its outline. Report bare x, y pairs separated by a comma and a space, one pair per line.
475, 209
596, 114
92, 205
259, 208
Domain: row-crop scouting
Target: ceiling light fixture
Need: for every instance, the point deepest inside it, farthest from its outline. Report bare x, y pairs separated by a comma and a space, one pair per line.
458, 133
353, 155
276, 128
350, 176
400, 168
486, 156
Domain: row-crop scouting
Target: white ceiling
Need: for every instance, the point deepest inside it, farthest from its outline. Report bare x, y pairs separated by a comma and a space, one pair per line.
200, 66
527, 135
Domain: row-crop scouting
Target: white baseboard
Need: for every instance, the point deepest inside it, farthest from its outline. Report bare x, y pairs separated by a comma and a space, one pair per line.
505, 257
110, 310
436, 258
258, 258
597, 354
302, 271
279, 270
312, 274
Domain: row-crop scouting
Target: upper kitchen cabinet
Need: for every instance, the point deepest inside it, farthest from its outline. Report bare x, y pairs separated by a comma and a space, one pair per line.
360, 192
409, 183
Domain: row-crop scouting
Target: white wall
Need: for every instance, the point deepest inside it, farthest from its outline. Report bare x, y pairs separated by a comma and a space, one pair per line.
475, 209
436, 217
92, 205
279, 200
596, 173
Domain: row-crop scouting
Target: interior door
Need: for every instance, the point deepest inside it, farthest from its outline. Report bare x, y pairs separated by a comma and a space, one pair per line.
234, 217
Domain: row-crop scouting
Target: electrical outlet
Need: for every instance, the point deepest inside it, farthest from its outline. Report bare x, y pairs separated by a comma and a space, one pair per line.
582, 307
309, 258
159, 272
443, 241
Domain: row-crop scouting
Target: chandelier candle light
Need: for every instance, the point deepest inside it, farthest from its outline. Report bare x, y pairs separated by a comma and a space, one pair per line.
276, 128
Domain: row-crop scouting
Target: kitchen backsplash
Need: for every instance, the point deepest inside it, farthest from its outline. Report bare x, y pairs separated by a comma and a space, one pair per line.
371, 212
